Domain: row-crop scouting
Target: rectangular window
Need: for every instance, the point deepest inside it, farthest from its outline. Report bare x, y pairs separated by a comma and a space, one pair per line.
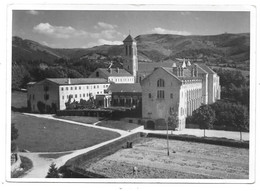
97, 86
150, 95
62, 89
87, 87
71, 88
171, 96
75, 95
67, 88
75, 87
80, 87
62, 97
160, 94
79, 95
94, 87
83, 95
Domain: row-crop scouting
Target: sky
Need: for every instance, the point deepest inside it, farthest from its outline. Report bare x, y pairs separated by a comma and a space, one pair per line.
83, 29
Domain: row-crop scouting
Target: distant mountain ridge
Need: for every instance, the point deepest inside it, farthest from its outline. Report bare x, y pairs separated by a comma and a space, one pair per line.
34, 61
223, 48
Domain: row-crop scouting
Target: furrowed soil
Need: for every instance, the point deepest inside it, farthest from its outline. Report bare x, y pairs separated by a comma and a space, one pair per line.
187, 160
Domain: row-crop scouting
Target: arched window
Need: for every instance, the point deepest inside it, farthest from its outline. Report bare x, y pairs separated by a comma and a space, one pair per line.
160, 83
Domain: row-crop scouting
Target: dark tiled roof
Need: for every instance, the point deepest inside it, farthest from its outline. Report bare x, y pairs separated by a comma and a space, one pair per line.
129, 38
125, 88
115, 72
206, 68
64, 81
185, 77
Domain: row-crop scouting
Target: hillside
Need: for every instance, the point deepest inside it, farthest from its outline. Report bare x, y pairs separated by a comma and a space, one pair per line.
32, 59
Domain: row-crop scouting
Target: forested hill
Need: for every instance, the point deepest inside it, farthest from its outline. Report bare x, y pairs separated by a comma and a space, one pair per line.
34, 61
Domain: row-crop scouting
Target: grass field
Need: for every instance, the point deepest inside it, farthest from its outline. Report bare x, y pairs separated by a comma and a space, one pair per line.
106, 123
81, 119
44, 135
187, 160
118, 125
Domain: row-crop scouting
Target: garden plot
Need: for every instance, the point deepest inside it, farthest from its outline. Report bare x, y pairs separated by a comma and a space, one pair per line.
187, 160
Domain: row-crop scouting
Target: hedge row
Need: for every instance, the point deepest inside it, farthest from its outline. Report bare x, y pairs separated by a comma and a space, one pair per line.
208, 140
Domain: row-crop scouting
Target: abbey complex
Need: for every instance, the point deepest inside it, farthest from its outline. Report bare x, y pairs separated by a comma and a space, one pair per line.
160, 91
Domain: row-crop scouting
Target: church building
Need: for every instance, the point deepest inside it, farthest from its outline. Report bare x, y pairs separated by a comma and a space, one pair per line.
130, 66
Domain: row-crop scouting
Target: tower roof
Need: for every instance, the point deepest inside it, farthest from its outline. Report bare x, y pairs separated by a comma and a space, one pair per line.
129, 38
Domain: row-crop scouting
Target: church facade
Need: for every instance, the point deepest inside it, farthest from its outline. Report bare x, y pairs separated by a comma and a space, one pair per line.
162, 91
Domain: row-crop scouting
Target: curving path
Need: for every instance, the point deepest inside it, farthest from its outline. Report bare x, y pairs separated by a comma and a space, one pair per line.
41, 165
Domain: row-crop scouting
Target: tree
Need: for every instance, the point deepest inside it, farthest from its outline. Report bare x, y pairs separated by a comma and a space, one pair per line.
53, 171
14, 136
241, 119
204, 117
14, 132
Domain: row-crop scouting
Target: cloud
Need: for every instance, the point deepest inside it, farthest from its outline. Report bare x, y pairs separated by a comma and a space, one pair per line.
64, 32
185, 13
104, 26
102, 42
160, 30
48, 44
33, 12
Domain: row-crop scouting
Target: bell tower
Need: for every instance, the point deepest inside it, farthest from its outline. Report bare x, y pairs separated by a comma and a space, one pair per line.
130, 56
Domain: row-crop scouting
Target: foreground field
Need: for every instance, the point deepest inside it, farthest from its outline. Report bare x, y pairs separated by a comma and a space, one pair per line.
187, 160
44, 135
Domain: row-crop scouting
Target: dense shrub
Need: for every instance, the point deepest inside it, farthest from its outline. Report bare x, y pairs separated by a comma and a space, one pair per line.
228, 116
234, 86
53, 172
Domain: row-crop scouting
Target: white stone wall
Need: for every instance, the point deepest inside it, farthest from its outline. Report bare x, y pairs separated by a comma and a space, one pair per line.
153, 107
130, 58
82, 91
179, 97
124, 80
36, 93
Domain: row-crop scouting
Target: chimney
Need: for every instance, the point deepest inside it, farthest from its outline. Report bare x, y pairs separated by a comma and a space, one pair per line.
181, 71
195, 70
188, 64
184, 64
68, 81
174, 69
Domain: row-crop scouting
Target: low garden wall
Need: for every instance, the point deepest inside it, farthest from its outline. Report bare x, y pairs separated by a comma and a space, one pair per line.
77, 164
92, 113
208, 140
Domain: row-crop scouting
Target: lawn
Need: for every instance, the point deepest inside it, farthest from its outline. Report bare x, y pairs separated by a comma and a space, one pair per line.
118, 125
44, 135
106, 123
81, 119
